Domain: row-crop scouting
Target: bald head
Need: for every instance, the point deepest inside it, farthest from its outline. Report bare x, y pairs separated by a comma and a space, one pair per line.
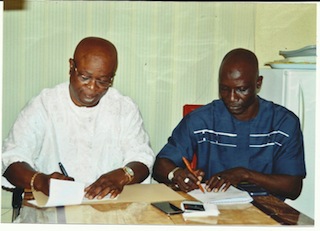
241, 54
240, 59
97, 50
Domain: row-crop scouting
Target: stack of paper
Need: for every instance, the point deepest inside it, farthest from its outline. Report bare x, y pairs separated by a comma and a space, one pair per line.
231, 196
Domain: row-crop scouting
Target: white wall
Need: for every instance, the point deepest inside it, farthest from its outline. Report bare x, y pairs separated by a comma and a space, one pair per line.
169, 52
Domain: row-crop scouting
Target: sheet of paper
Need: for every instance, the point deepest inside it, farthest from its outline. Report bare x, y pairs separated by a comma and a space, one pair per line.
62, 192
231, 196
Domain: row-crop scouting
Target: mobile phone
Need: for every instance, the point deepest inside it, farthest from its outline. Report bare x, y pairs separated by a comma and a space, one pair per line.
253, 189
167, 208
190, 206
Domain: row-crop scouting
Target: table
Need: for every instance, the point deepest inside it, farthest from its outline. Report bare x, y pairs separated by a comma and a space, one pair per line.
264, 210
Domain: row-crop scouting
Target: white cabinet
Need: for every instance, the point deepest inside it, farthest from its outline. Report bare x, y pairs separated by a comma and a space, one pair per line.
296, 90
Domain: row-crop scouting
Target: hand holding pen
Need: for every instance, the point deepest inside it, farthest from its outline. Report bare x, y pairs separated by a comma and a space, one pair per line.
64, 171
41, 181
186, 180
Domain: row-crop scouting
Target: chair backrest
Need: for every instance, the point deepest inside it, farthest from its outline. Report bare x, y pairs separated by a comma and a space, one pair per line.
187, 108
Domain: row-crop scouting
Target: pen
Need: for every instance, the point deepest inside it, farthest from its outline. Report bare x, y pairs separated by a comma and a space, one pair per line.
186, 162
63, 170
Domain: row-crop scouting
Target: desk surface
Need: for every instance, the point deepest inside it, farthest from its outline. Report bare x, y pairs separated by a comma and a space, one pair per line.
264, 210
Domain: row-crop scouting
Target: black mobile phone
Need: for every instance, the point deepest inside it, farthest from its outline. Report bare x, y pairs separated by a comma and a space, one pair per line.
167, 208
253, 189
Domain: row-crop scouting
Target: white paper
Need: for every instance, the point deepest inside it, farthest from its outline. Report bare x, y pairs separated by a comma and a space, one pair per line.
63, 192
231, 196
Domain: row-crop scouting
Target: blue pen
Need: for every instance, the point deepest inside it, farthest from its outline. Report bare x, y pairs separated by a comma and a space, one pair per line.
64, 172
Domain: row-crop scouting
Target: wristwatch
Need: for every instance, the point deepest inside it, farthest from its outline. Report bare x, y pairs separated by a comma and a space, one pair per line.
129, 172
171, 174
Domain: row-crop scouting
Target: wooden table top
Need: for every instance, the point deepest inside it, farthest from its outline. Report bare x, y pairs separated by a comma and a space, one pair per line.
264, 210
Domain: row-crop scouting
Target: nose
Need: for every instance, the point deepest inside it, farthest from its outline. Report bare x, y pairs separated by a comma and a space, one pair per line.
233, 96
91, 85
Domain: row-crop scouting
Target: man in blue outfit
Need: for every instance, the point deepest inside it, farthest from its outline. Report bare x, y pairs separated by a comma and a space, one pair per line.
238, 138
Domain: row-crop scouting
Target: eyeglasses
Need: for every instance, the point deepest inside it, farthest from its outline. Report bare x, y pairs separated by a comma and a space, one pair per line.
106, 82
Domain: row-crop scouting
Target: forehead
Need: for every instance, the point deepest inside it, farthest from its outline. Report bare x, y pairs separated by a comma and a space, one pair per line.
95, 64
91, 60
238, 72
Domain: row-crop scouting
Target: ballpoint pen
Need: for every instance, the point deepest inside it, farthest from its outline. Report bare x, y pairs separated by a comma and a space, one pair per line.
186, 162
63, 170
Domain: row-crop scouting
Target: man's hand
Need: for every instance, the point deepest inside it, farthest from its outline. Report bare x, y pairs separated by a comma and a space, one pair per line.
186, 181
223, 180
42, 181
111, 182
278, 184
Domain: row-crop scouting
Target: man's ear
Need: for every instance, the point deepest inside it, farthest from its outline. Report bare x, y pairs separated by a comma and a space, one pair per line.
259, 82
71, 65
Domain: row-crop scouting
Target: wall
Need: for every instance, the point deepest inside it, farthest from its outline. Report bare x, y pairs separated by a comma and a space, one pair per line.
166, 57
169, 52
287, 26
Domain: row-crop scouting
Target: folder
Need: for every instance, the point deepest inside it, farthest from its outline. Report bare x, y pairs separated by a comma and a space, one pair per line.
64, 192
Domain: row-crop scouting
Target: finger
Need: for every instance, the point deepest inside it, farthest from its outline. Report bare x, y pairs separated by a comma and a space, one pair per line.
94, 191
57, 175
191, 183
226, 186
183, 185
215, 184
223, 185
89, 187
104, 193
86, 189
200, 174
220, 184
114, 193
186, 181
181, 182
113, 190
194, 180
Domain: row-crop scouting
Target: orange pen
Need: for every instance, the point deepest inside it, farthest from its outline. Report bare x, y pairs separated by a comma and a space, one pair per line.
186, 162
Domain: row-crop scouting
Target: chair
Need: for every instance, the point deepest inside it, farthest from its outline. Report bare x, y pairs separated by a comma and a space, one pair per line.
187, 108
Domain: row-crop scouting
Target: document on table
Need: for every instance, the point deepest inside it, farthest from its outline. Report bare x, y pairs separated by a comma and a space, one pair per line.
145, 193
62, 192
231, 196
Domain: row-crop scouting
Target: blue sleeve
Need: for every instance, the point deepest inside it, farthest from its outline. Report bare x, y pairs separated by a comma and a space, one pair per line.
179, 144
291, 160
